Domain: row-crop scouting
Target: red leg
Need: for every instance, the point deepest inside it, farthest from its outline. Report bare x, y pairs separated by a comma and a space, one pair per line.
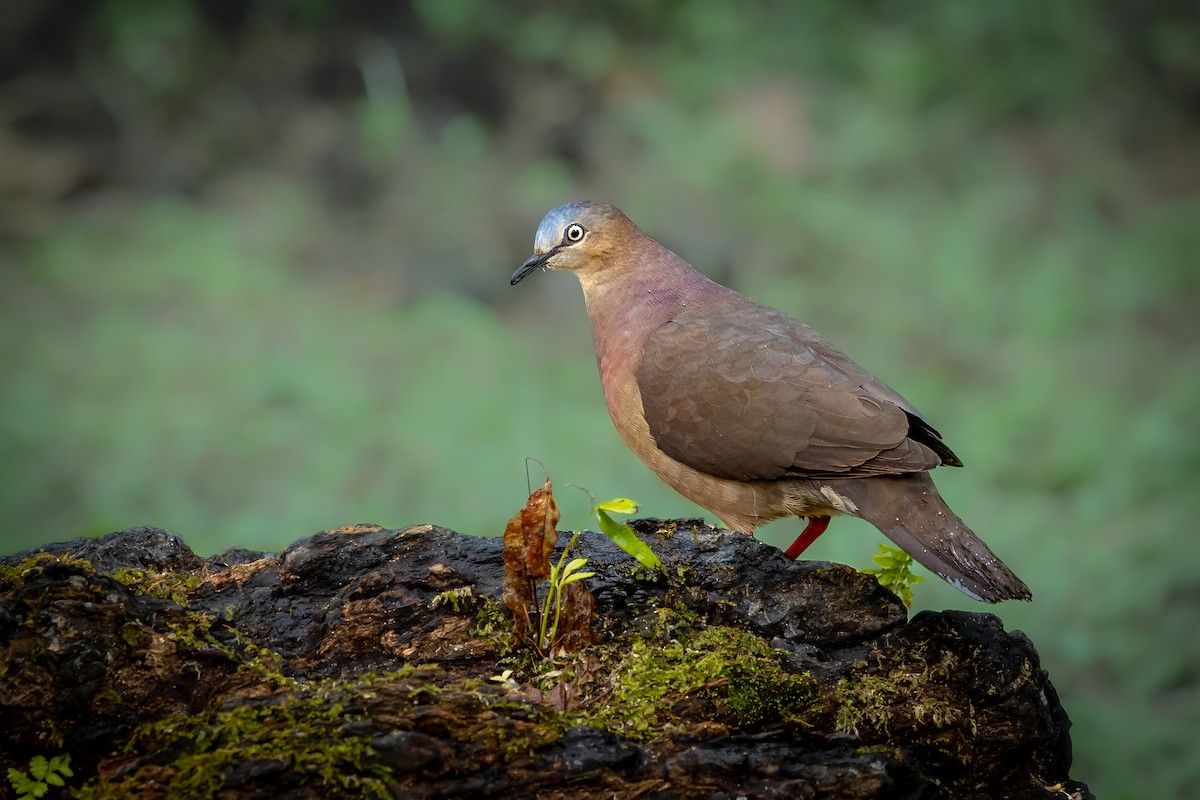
816, 526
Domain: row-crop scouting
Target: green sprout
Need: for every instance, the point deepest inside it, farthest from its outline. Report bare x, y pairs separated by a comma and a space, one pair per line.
567, 572
42, 775
560, 577
895, 572
621, 534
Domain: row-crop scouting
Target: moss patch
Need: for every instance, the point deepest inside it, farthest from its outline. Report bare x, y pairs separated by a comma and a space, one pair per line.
735, 672
163, 585
493, 623
322, 735
201, 632
912, 701
301, 737
16, 574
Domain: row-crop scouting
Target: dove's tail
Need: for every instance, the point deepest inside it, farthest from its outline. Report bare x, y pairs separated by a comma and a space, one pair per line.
910, 512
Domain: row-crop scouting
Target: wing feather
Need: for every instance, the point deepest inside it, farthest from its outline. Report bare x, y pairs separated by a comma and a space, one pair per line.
759, 396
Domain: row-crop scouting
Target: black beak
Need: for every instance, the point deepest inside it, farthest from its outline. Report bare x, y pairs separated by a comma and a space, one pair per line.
533, 263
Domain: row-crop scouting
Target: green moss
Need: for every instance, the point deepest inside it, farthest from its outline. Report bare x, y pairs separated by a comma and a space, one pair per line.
870, 706
456, 599
737, 672
674, 620
669, 527
197, 632
321, 735
911, 699
513, 730
163, 585
493, 622
490, 620
305, 732
474, 711
644, 574
17, 573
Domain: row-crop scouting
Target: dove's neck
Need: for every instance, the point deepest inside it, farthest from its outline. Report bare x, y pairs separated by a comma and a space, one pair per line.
644, 286
642, 289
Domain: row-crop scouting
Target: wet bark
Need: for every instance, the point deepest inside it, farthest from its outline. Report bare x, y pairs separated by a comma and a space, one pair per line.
372, 662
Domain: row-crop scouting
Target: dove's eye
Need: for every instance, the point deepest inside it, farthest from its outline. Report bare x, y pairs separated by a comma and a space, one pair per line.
574, 233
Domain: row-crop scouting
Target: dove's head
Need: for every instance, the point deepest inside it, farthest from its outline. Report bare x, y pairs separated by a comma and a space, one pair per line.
581, 237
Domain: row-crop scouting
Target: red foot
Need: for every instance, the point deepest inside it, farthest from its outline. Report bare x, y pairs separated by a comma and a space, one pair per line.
816, 526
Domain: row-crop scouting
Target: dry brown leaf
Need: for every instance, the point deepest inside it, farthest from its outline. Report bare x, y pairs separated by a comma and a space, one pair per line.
539, 524
575, 625
529, 539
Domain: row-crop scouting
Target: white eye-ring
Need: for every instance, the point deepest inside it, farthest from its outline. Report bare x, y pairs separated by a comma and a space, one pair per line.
574, 233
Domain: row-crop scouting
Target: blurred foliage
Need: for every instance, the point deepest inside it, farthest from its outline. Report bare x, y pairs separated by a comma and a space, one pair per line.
254, 267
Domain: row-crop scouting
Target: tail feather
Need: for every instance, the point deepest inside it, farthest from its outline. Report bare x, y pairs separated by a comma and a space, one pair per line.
910, 512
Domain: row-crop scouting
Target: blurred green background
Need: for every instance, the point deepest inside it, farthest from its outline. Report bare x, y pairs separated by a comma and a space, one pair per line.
254, 264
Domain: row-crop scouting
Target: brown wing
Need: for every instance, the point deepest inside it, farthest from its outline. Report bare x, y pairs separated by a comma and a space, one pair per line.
754, 395
920, 428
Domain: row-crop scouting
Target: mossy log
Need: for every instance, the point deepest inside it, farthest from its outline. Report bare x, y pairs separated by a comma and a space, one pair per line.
365, 662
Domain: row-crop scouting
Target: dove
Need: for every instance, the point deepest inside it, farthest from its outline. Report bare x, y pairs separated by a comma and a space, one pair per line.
751, 414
